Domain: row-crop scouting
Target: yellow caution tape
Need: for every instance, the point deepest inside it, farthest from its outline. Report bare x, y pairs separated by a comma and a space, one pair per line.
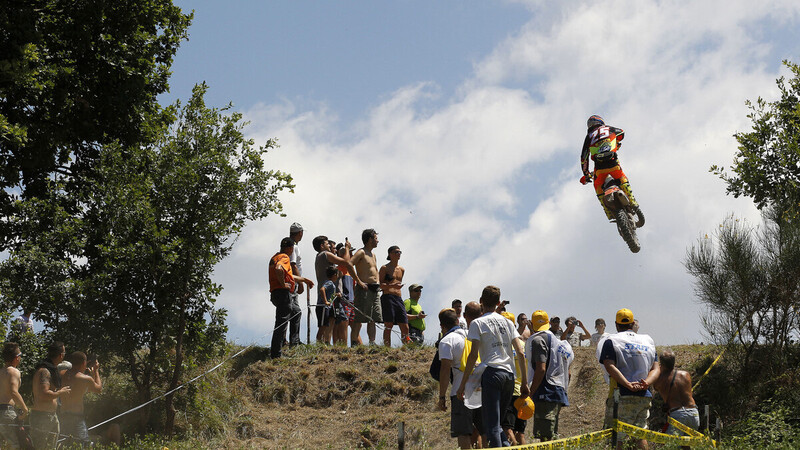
661, 438
684, 428
570, 442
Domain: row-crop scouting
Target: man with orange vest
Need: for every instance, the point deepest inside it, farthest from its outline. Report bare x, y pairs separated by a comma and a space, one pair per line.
281, 284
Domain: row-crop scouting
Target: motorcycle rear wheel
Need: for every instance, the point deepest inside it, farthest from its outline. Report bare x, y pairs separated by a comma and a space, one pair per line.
627, 230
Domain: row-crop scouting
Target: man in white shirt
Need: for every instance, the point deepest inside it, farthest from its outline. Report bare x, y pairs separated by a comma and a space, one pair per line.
296, 233
451, 348
495, 338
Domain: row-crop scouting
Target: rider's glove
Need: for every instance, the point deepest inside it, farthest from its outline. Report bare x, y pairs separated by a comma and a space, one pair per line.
586, 179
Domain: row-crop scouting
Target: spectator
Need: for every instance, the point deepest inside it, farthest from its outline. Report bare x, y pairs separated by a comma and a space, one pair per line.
571, 336
281, 284
675, 387
631, 360
555, 326
332, 296
513, 426
451, 348
472, 311
600, 327
296, 233
523, 326
635, 327
9, 394
457, 307
324, 259
367, 303
394, 311
416, 316
501, 309
346, 286
549, 373
495, 339
71, 417
47, 389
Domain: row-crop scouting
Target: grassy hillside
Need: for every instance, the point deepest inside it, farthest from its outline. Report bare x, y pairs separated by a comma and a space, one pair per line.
323, 397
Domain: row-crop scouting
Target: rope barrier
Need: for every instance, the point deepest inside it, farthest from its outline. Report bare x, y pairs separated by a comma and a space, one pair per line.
716, 360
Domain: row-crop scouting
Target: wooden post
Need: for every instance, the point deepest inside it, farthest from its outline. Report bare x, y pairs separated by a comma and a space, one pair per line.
401, 435
708, 419
616, 416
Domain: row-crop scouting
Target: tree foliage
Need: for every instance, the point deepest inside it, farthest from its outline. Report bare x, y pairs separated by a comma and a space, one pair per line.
74, 76
749, 279
767, 164
130, 273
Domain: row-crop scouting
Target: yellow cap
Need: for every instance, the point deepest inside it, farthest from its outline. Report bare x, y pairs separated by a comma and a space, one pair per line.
624, 316
540, 320
524, 407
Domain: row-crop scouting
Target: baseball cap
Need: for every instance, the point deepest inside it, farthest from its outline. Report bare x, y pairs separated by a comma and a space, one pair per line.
525, 408
287, 242
295, 228
540, 321
415, 287
624, 316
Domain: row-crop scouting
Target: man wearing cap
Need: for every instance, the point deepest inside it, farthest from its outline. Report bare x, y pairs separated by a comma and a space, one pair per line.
457, 307
630, 359
392, 307
281, 283
296, 233
549, 360
416, 317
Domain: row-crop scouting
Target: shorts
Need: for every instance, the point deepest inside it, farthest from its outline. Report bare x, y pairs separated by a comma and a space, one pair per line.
8, 427
545, 420
687, 416
464, 420
510, 419
324, 315
44, 429
339, 315
367, 306
73, 425
394, 311
350, 312
633, 410
416, 335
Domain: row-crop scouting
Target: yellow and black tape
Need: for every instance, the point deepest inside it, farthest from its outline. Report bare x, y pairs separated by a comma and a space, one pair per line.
661, 438
695, 439
570, 442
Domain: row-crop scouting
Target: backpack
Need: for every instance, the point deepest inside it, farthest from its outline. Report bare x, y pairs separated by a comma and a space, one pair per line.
436, 366
465, 355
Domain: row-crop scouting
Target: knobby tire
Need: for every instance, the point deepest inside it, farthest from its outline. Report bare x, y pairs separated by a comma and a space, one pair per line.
626, 230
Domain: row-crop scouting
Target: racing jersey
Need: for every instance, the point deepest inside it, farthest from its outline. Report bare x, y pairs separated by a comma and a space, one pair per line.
601, 144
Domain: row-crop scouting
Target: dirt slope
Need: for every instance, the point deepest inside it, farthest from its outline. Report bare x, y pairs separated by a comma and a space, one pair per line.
348, 398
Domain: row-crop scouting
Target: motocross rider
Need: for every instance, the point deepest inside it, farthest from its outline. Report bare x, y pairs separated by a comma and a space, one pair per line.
601, 144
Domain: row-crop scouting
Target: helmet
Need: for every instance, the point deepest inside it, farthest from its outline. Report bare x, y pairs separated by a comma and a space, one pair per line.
594, 121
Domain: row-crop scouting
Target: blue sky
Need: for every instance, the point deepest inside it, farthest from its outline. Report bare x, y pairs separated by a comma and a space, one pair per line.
454, 129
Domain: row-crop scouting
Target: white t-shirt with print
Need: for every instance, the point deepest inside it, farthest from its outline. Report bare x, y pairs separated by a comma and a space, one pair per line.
494, 333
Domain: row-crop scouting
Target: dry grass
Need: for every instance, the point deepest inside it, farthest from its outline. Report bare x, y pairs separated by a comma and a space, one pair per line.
351, 398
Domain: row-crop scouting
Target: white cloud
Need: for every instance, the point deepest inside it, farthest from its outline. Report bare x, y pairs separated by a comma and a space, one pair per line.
444, 182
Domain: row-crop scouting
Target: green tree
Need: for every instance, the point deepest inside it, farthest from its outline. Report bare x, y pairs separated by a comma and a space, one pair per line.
74, 76
767, 164
134, 276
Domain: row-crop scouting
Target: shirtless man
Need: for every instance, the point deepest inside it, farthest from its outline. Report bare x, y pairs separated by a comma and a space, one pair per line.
324, 259
368, 307
73, 423
675, 387
392, 306
47, 389
9, 394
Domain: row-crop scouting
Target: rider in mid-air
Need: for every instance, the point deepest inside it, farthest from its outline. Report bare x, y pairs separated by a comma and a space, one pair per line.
601, 144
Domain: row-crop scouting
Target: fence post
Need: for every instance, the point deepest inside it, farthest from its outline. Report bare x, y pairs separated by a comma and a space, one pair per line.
616, 417
308, 315
401, 435
708, 420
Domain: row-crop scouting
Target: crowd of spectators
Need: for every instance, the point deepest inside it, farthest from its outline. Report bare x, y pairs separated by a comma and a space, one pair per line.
56, 415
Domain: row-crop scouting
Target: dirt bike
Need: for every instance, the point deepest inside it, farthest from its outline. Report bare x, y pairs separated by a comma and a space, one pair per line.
627, 217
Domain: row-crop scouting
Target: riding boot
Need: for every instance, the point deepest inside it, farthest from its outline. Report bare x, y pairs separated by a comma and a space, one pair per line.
605, 208
626, 186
